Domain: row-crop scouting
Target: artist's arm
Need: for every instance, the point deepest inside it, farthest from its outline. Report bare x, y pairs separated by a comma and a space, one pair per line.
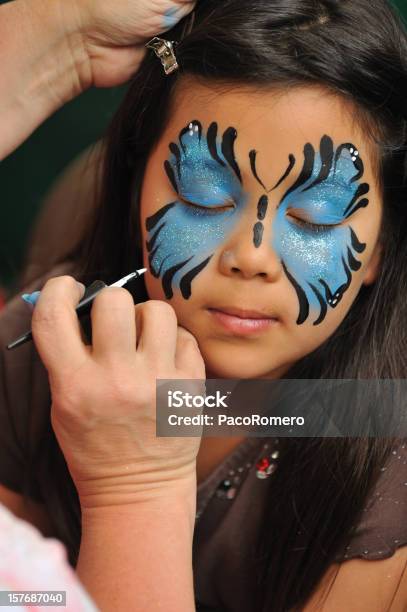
52, 50
138, 556
137, 491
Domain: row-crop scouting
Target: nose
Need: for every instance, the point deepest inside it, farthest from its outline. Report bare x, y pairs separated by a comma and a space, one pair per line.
248, 252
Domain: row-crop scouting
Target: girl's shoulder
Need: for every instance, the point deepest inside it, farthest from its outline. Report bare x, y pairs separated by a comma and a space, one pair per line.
383, 526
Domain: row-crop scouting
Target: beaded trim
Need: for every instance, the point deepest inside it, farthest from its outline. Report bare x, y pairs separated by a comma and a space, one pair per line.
265, 466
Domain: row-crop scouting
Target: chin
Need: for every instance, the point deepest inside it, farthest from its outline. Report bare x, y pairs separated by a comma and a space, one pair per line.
223, 360
230, 364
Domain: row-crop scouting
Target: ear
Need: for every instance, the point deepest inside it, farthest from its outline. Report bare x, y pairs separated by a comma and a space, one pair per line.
373, 267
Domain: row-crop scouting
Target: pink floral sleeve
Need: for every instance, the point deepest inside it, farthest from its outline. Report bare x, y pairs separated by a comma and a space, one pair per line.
30, 562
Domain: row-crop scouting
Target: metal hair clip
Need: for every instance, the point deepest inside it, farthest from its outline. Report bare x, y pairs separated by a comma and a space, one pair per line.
164, 49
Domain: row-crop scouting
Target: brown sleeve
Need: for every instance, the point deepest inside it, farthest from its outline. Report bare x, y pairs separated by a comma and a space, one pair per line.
383, 527
24, 397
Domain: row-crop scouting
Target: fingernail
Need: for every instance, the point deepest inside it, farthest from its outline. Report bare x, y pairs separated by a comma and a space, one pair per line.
170, 18
31, 298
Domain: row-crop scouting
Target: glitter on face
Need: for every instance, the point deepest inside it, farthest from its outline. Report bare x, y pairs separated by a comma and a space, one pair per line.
319, 260
318, 251
183, 237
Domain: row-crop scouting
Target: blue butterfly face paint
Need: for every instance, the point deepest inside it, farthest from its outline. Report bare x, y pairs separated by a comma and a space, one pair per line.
183, 235
319, 255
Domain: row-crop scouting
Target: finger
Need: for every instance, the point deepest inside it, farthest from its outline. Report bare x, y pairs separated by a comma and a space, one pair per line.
188, 357
157, 331
113, 323
55, 324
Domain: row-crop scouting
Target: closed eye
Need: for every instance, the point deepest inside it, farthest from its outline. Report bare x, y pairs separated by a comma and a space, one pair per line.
211, 209
313, 227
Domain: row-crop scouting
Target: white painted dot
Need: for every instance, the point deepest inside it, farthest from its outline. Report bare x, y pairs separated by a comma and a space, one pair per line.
351, 149
356, 153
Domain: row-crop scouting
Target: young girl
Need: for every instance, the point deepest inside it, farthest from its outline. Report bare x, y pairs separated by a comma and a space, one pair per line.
263, 186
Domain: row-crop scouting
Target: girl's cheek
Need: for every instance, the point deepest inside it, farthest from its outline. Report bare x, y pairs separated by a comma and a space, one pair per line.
180, 242
320, 266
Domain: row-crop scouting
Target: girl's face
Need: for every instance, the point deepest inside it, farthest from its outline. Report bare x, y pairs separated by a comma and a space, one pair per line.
261, 201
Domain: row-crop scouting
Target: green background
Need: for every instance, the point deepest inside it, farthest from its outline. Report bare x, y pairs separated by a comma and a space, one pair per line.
27, 174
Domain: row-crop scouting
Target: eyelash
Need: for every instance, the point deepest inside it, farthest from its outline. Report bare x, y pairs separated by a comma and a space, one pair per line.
312, 227
212, 210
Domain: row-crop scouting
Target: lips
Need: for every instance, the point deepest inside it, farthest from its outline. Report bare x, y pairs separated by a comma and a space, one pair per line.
243, 313
242, 322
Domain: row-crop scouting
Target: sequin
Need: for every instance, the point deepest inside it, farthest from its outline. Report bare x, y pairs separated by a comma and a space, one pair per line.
264, 468
223, 488
230, 494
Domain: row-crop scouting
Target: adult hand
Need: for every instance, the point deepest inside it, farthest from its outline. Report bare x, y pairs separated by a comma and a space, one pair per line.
52, 50
103, 396
114, 33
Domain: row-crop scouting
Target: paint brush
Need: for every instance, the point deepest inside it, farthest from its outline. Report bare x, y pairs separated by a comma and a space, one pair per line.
85, 305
